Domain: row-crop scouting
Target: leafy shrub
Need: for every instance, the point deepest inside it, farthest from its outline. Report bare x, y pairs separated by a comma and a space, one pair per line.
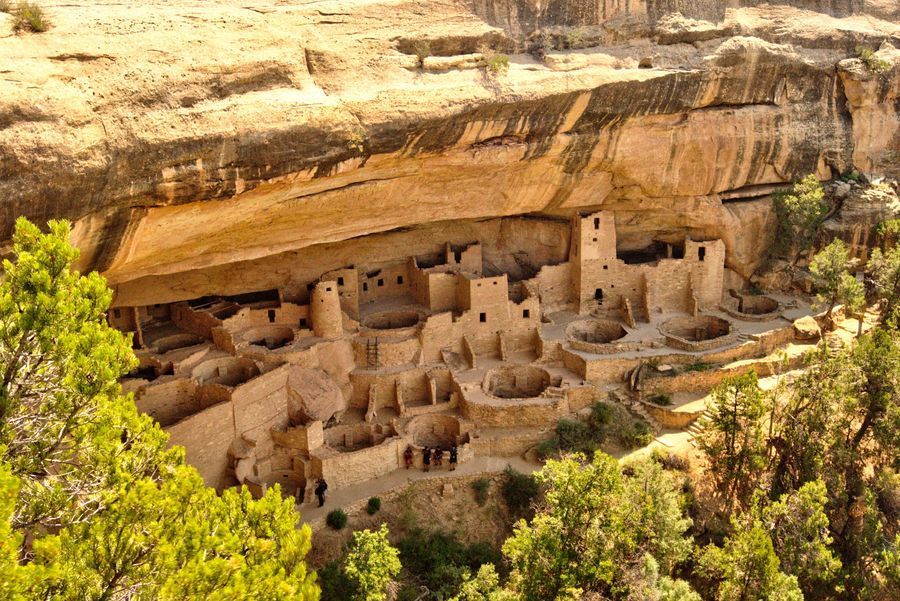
663, 400
519, 490
495, 63
335, 584
422, 49
481, 487
373, 505
888, 228
30, 17
671, 461
637, 434
872, 62
697, 366
440, 561
336, 519
601, 415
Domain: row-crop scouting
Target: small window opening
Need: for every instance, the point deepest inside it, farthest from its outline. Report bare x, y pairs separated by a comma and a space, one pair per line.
482, 317
302, 322
596, 224
328, 289
271, 314
598, 295
381, 281
495, 283
399, 279
594, 239
606, 267
526, 313
365, 286
340, 280
701, 253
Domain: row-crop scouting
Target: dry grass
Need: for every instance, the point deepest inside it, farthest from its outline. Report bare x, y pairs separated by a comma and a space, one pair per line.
29, 17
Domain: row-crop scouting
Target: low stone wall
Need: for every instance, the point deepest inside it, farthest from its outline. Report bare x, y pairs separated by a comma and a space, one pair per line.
694, 381
668, 418
509, 443
605, 348
345, 469
580, 397
502, 413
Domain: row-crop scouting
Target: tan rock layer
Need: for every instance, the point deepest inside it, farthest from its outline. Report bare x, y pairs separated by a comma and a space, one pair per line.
192, 141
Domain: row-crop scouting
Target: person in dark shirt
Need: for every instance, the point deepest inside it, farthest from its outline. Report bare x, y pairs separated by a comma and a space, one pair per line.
426, 458
321, 487
408, 456
439, 457
454, 457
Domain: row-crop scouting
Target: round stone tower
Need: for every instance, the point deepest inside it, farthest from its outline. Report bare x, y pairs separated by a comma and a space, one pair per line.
325, 311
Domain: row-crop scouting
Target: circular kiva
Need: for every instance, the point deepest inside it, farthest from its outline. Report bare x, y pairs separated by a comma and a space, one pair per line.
516, 382
758, 305
596, 331
391, 320
434, 430
270, 337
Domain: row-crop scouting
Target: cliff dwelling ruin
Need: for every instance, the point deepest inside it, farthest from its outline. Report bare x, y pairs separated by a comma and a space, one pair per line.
335, 377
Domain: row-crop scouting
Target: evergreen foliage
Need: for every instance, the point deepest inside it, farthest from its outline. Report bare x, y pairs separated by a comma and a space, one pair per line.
92, 504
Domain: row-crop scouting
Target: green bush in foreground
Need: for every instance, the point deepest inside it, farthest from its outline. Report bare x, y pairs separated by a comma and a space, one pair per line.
91, 496
336, 519
373, 506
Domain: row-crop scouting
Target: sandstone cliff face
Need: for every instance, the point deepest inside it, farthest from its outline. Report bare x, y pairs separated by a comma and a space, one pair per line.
223, 147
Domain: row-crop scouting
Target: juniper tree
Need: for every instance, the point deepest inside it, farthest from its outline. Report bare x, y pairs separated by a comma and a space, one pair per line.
95, 504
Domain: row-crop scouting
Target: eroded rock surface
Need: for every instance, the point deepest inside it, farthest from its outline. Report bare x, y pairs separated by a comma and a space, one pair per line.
217, 148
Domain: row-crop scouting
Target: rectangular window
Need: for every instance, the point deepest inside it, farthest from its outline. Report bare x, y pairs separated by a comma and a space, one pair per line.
701, 253
328, 289
365, 286
482, 317
596, 223
606, 267
302, 322
526, 313
340, 281
271, 314
381, 281
399, 279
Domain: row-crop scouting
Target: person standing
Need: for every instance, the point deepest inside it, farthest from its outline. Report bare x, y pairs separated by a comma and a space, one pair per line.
426, 458
321, 487
454, 457
408, 456
439, 457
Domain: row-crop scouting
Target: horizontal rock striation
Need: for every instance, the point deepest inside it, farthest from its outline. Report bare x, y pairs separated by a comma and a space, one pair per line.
221, 149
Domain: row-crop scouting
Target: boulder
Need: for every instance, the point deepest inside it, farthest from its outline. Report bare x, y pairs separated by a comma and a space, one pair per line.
807, 329
312, 395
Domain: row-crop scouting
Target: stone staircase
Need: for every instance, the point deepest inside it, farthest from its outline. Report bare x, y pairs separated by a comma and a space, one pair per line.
637, 408
698, 426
